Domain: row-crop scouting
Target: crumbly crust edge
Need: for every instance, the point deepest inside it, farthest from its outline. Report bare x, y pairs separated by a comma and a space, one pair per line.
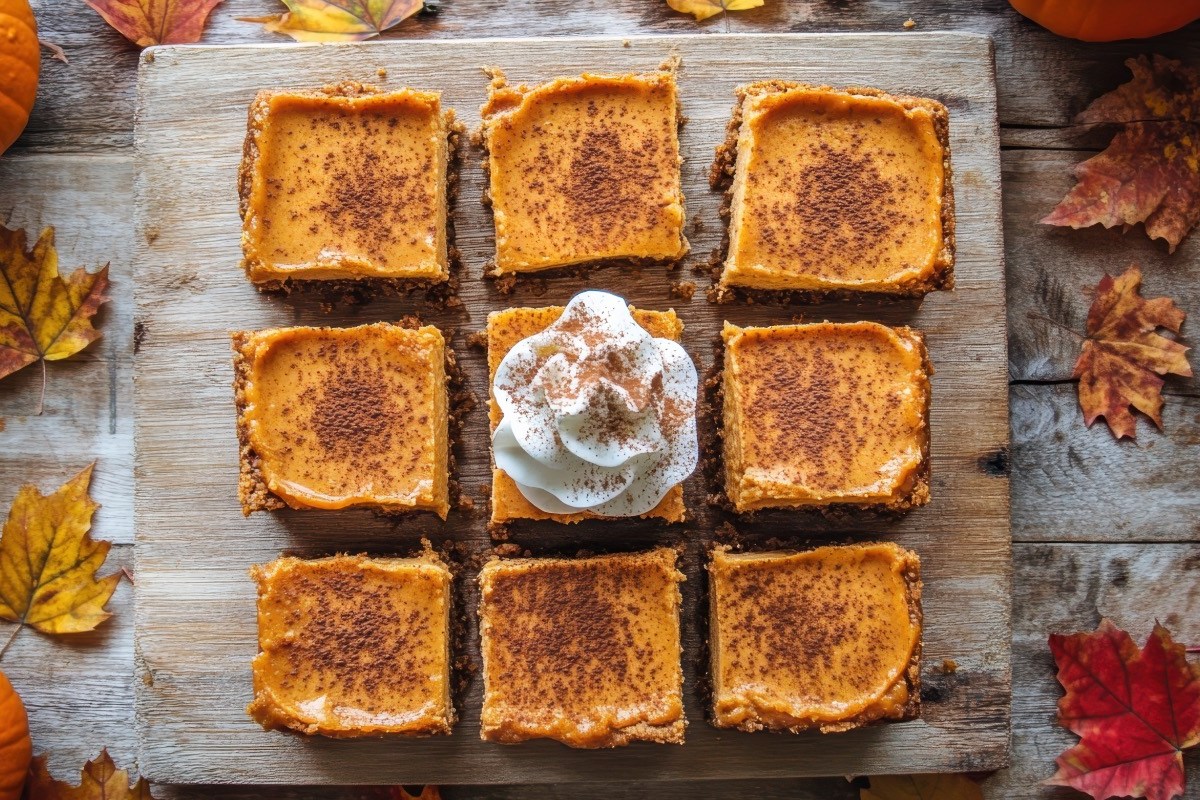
721, 174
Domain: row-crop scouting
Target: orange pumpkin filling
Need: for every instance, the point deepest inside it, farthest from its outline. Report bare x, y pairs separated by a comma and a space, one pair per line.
353, 646
838, 190
338, 417
584, 650
826, 639
345, 182
825, 413
584, 169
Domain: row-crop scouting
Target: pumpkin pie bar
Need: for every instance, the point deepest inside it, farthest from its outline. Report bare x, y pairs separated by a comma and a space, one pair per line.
348, 182
353, 646
829, 638
585, 651
584, 169
504, 330
337, 417
826, 414
834, 191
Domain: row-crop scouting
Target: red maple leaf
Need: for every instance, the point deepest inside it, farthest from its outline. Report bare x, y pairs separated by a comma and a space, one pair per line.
1150, 172
1135, 712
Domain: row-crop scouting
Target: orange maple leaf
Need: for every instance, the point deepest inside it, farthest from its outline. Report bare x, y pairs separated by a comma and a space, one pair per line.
703, 9
1150, 172
147, 22
48, 562
338, 20
100, 780
43, 317
1135, 712
922, 787
1123, 356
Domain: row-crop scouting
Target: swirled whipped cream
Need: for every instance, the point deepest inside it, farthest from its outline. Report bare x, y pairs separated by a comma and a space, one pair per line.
598, 415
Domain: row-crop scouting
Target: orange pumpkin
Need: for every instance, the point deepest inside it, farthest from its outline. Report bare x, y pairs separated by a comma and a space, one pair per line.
15, 747
1109, 20
19, 62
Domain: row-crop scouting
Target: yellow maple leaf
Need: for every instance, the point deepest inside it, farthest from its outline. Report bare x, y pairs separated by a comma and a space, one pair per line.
922, 787
100, 780
43, 317
703, 9
338, 20
48, 562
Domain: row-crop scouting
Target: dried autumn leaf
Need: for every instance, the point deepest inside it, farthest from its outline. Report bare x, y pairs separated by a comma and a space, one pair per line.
703, 9
1123, 356
100, 780
1150, 172
43, 317
338, 20
922, 787
147, 22
1135, 712
48, 562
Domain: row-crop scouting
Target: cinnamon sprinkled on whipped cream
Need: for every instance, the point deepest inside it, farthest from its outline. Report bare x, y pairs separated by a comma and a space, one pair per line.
598, 415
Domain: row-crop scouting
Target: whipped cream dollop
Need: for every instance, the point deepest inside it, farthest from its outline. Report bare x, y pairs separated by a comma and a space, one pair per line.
599, 415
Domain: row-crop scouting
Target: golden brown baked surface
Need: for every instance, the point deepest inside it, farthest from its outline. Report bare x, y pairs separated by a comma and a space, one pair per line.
336, 417
584, 169
825, 414
504, 330
345, 182
838, 191
353, 646
585, 651
829, 638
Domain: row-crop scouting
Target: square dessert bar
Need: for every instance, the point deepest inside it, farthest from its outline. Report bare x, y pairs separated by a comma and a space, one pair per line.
582, 650
826, 414
353, 646
504, 330
584, 169
348, 182
837, 191
337, 417
829, 638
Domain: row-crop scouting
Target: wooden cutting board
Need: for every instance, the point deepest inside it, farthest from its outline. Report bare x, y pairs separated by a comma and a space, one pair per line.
195, 603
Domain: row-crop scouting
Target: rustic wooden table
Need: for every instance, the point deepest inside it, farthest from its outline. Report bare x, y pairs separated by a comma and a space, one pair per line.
1100, 528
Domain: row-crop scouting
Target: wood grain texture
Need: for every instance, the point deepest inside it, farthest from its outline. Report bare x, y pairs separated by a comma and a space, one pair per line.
193, 546
1057, 588
1052, 271
1043, 79
1078, 484
89, 400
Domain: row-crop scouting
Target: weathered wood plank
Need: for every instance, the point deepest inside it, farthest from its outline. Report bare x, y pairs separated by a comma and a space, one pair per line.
1043, 79
194, 546
1052, 270
1057, 588
78, 688
89, 407
1075, 484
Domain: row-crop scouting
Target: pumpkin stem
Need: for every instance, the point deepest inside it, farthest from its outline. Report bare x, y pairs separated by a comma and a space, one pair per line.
11, 636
